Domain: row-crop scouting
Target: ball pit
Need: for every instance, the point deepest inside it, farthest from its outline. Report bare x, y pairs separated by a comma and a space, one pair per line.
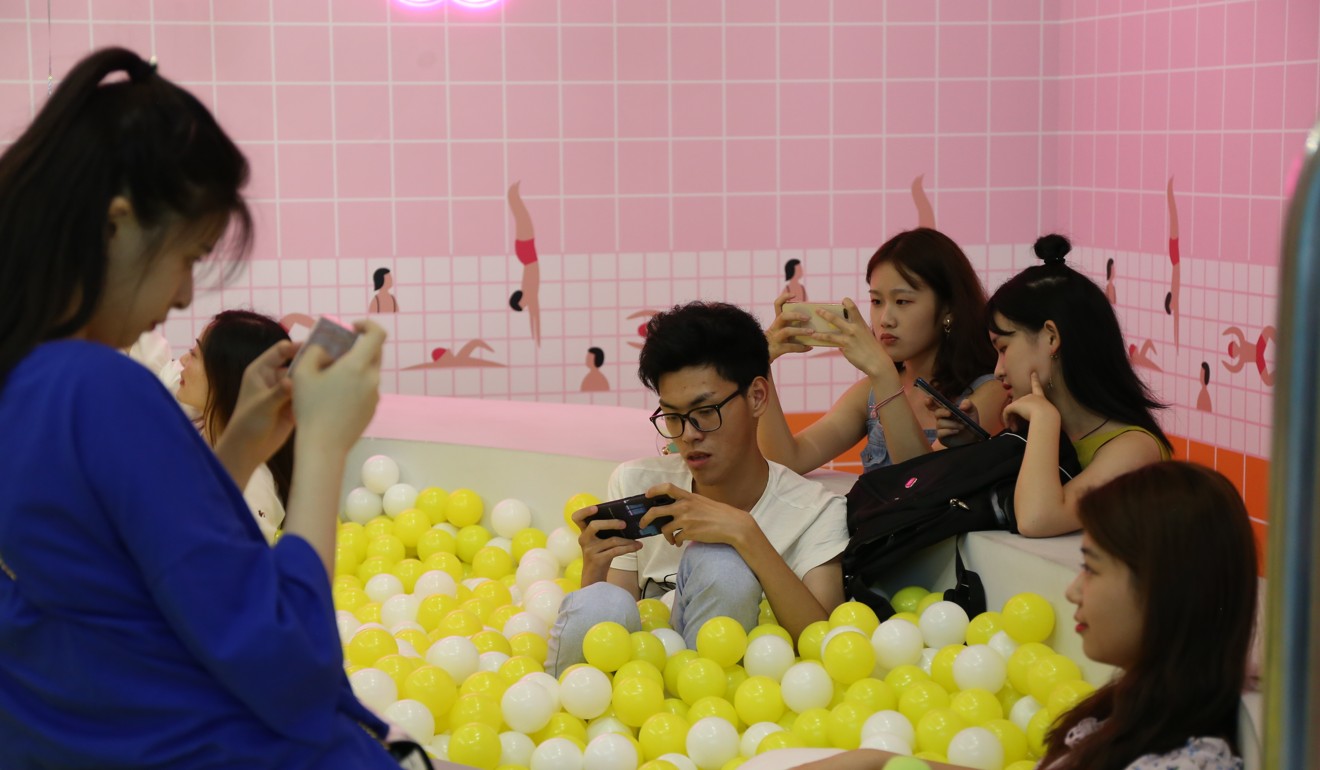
445, 624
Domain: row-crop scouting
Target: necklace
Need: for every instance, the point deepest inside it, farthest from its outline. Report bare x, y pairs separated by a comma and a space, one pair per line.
1093, 430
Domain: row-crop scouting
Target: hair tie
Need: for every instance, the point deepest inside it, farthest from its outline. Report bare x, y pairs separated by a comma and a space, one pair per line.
141, 70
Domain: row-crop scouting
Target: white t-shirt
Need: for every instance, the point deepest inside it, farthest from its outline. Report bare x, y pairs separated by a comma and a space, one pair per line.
264, 501
806, 524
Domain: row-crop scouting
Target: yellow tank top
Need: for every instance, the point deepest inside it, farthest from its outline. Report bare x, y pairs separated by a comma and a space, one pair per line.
1088, 446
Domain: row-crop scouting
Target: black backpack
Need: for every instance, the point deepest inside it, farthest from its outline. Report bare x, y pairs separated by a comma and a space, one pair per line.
897, 510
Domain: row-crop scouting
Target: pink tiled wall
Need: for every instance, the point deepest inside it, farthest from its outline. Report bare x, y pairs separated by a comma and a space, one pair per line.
676, 149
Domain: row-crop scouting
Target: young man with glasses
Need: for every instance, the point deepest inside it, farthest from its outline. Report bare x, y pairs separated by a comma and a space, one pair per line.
741, 525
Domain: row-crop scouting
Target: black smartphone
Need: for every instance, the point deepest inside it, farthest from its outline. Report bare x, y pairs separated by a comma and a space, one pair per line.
971, 424
630, 511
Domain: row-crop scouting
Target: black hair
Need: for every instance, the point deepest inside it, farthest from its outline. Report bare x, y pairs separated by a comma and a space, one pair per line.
1168, 303
789, 267
1205, 373
598, 354
515, 300
378, 277
95, 139
1093, 355
234, 339
715, 334
927, 257
1109, 268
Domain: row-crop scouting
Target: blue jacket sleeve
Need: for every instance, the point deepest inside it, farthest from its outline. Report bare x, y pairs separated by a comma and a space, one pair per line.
260, 619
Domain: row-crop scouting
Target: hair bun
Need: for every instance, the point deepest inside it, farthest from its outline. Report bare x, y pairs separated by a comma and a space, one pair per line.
1052, 248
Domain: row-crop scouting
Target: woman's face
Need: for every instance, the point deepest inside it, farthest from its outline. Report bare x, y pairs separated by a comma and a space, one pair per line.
905, 317
1021, 352
193, 386
1109, 612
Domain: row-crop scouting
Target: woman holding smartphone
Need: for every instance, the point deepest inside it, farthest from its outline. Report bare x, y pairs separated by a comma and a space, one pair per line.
927, 311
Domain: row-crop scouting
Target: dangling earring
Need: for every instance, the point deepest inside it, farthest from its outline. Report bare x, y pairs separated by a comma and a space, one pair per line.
948, 324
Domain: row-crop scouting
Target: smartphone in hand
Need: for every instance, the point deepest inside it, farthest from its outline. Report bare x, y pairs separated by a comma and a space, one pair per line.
334, 338
958, 414
630, 511
816, 322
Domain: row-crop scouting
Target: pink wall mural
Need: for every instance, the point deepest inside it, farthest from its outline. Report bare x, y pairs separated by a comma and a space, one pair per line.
680, 149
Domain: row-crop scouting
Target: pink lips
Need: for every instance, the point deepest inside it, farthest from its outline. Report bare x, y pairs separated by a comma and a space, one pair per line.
696, 460
888, 339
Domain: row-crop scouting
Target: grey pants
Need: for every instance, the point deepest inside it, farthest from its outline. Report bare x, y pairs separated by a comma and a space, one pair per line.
712, 581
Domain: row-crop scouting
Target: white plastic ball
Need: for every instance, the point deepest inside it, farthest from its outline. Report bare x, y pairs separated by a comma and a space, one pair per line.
516, 749
491, 661
979, 667
610, 752
711, 742
671, 639
603, 725
525, 621
439, 747
585, 692
768, 655
526, 706
754, 734
833, 632
563, 545
806, 685
943, 624
398, 499
891, 722
887, 742
383, 586
362, 505
347, 624
379, 473
431, 583
896, 643
545, 606
509, 517
557, 754
1003, 644
399, 608
407, 650
978, 748
446, 526
413, 718
533, 569
927, 659
456, 655
406, 625
541, 587
375, 688
1023, 711
502, 543
680, 761
546, 681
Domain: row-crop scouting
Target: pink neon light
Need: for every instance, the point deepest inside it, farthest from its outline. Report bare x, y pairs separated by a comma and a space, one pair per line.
423, 4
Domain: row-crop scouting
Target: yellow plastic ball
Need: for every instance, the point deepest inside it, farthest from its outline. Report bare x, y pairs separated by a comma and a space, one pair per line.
525, 540
484, 683
1038, 730
780, 740
1068, 694
381, 525
723, 640
435, 541
433, 687
607, 646
903, 677
809, 640
857, 615
369, 645
353, 535
346, 581
563, 725
699, 679
407, 571
927, 600
920, 698
907, 599
766, 614
371, 567
573, 572
1008, 697
976, 707
418, 639
1049, 673
482, 608
388, 547
1025, 764
433, 501
769, 628
813, 728
734, 676
735, 763
640, 668
654, 614
575, 503
471, 539
674, 666
936, 728
460, 623
491, 641
465, 508
410, 525
637, 698
349, 598
658, 764
493, 563
477, 707
475, 744
368, 613
849, 657
845, 724
1011, 737
397, 666
872, 693
1021, 661
674, 706
519, 666
941, 666
347, 560
445, 562
910, 617
1028, 618
529, 645
759, 699
433, 609
984, 626
648, 647
663, 733
714, 706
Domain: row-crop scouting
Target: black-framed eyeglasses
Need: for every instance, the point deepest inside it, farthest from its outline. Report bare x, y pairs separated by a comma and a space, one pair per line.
703, 419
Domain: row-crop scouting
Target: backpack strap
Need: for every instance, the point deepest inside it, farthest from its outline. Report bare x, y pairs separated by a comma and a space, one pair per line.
968, 592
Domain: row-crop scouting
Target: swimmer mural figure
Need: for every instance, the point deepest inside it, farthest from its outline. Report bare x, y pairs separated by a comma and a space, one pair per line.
465, 358
1175, 278
925, 211
1203, 399
1110, 293
526, 298
641, 330
595, 380
1241, 351
793, 272
1142, 356
383, 301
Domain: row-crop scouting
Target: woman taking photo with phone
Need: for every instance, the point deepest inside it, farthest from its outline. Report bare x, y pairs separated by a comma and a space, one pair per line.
144, 622
927, 320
